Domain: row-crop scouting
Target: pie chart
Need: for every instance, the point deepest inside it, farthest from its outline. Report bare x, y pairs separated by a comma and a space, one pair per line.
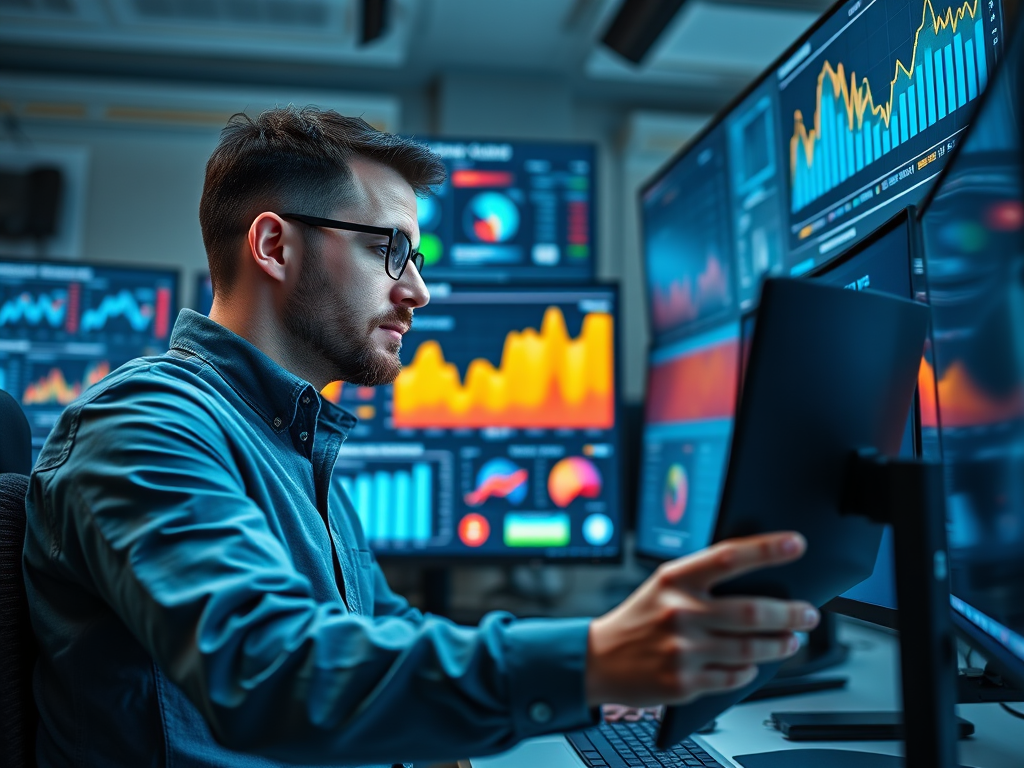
677, 489
491, 217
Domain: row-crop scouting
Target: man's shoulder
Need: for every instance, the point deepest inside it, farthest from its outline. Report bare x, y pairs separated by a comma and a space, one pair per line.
142, 393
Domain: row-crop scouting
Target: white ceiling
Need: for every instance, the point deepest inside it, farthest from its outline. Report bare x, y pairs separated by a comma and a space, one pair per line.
710, 44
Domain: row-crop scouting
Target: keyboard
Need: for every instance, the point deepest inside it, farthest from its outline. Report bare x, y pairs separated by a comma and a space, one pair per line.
631, 745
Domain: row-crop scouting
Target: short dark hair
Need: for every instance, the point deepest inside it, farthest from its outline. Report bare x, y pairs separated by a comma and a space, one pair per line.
297, 159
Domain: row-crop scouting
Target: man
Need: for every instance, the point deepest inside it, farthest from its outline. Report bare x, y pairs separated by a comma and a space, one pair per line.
201, 590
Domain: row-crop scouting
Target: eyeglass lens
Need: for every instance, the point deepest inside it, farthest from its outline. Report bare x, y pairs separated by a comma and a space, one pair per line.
399, 254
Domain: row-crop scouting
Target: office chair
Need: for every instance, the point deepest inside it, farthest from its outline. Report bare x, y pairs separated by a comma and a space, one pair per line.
18, 715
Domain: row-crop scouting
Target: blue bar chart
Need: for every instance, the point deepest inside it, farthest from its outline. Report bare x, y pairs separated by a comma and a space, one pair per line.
395, 504
850, 131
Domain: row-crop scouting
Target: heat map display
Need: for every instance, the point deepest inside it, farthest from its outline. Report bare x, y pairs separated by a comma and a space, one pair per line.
511, 391
64, 326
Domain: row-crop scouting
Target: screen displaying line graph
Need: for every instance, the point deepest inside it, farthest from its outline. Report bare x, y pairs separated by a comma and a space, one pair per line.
64, 326
871, 106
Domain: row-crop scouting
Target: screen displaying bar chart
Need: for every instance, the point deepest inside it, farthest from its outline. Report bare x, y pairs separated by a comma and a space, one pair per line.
400, 500
871, 107
499, 438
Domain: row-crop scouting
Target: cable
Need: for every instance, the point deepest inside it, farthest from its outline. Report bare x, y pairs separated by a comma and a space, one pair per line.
1011, 710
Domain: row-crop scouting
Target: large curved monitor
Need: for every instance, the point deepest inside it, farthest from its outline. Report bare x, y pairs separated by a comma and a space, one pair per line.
849, 126
973, 228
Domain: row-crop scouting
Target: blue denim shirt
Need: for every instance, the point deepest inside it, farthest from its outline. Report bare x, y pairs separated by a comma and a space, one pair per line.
203, 595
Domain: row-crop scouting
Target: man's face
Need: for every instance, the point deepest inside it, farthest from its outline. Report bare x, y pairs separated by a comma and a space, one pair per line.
344, 307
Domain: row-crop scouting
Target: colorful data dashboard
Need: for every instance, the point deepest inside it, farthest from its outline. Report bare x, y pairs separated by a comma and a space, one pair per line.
850, 126
510, 212
691, 399
64, 326
499, 438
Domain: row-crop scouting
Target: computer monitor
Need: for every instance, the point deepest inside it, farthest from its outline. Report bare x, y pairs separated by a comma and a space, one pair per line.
66, 325
691, 400
202, 300
849, 126
888, 261
511, 211
499, 441
972, 229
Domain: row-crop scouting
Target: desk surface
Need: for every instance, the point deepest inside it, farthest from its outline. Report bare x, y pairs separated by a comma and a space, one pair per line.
873, 674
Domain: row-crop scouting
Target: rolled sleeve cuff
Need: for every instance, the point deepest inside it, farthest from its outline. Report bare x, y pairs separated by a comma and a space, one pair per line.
547, 663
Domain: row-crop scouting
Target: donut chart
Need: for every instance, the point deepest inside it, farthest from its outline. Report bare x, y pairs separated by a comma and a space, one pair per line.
676, 494
491, 217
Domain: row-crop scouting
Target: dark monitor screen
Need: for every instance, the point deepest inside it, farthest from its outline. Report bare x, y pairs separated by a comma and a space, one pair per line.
691, 401
510, 212
499, 439
851, 125
64, 326
975, 265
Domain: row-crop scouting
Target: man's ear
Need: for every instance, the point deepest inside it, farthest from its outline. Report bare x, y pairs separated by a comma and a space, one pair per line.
274, 244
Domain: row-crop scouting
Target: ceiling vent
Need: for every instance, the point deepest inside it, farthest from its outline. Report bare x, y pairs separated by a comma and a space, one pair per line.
320, 31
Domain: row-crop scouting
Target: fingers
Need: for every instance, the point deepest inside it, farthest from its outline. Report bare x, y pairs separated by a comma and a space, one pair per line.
735, 557
761, 615
719, 679
742, 651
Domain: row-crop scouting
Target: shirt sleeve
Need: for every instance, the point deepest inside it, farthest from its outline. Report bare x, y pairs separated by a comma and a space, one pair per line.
161, 522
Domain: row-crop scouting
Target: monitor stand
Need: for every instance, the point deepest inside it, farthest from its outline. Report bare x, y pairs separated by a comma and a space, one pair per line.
909, 495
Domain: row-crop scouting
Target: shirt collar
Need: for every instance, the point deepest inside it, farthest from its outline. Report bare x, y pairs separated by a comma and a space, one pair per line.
273, 392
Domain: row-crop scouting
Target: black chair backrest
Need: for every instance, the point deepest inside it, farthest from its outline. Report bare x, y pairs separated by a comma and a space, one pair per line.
18, 716
15, 437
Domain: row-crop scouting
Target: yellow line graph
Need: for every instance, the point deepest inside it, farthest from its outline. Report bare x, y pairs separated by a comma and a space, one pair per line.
858, 99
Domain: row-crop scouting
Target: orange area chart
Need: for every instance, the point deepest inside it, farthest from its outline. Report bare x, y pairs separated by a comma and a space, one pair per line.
54, 389
545, 380
963, 402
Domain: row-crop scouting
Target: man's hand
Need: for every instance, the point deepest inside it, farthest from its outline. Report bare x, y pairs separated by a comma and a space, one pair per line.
671, 641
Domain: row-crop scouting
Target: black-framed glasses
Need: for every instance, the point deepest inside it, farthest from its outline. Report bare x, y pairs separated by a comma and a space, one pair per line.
400, 251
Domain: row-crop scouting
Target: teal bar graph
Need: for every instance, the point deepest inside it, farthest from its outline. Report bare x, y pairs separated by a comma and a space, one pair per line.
947, 70
979, 49
961, 77
394, 505
940, 88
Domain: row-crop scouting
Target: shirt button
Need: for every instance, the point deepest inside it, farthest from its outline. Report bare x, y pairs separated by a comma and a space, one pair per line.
305, 400
277, 422
303, 436
540, 712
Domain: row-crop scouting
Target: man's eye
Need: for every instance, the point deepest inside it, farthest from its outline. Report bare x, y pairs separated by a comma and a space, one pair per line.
381, 250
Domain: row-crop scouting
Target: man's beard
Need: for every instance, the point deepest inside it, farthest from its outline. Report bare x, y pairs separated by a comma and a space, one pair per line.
325, 323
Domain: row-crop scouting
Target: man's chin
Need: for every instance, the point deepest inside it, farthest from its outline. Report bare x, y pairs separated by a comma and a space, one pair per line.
382, 369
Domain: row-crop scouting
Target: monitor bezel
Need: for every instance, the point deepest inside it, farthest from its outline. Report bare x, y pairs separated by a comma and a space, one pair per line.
478, 280
643, 557
425, 558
